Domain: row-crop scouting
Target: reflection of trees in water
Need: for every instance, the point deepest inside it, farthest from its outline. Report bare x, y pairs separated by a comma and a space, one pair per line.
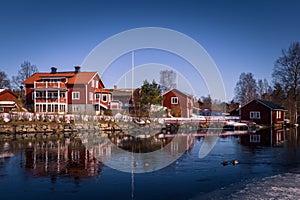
139, 144
153, 143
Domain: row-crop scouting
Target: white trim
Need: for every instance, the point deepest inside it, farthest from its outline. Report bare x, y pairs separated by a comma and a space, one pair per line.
91, 96
106, 97
254, 115
278, 114
178, 91
7, 103
86, 94
173, 101
76, 92
96, 73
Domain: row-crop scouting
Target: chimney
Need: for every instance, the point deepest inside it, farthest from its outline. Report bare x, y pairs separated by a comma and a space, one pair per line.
53, 70
115, 87
77, 69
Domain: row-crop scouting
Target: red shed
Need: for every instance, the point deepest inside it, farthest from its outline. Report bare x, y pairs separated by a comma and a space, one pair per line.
180, 104
7, 100
263, 112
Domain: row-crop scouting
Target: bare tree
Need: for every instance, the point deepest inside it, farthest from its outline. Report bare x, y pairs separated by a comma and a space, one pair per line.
264, 89
246, 88
206, 102
26, 70
260, 87
278, 95
4, 81
167, 80
287, 73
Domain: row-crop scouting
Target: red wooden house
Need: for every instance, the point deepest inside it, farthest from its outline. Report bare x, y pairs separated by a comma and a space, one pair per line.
66, 92
263, 112
7, 100
179, 103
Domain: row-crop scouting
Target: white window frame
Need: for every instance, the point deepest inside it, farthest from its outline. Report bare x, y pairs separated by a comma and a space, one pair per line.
62, 95
254, 138
91, 96
97, 83
76, 95
75, 108
254, 114
174, 100
106, 97
278, 114
93, 83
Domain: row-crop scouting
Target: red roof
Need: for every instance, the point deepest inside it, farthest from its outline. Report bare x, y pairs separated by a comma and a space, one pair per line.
102, 90
74, 78
8, 95
176, 91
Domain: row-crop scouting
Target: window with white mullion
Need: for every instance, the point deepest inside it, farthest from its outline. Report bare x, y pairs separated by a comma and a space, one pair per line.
174, 100
254, 115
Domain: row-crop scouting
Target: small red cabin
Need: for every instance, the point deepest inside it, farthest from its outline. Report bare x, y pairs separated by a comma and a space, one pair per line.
7, 100
179, 103
263, 112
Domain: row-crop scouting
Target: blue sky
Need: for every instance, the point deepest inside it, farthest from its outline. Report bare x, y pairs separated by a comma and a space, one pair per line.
240, 36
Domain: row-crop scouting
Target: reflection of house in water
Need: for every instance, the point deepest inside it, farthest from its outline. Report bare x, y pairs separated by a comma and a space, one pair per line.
98, 147
181, 144
173, 145
62, 157
265, 137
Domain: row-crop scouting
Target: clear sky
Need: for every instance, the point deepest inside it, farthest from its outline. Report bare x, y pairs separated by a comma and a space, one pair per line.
240, 36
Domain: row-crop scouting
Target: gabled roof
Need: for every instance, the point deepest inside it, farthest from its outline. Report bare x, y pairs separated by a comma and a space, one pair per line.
74, 78
83, 78
268, 104
98, 90
3, 91
39, 75
178, 91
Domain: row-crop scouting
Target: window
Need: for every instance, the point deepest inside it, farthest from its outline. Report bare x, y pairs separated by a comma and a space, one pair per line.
75, 108
53, 95
93, 83
91, 96
254, 115
62, 95
97, 83
97, 96
174, 100
254, 138
1, 109
278, 114
104, 97
75, 95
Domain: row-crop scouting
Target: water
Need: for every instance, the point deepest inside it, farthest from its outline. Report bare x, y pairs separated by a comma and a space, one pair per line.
66, 168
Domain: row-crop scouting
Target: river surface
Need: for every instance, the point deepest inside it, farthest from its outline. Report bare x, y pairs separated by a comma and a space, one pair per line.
67, 168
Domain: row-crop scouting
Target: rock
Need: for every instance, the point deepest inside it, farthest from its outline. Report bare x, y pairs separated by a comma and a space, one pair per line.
31, 130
